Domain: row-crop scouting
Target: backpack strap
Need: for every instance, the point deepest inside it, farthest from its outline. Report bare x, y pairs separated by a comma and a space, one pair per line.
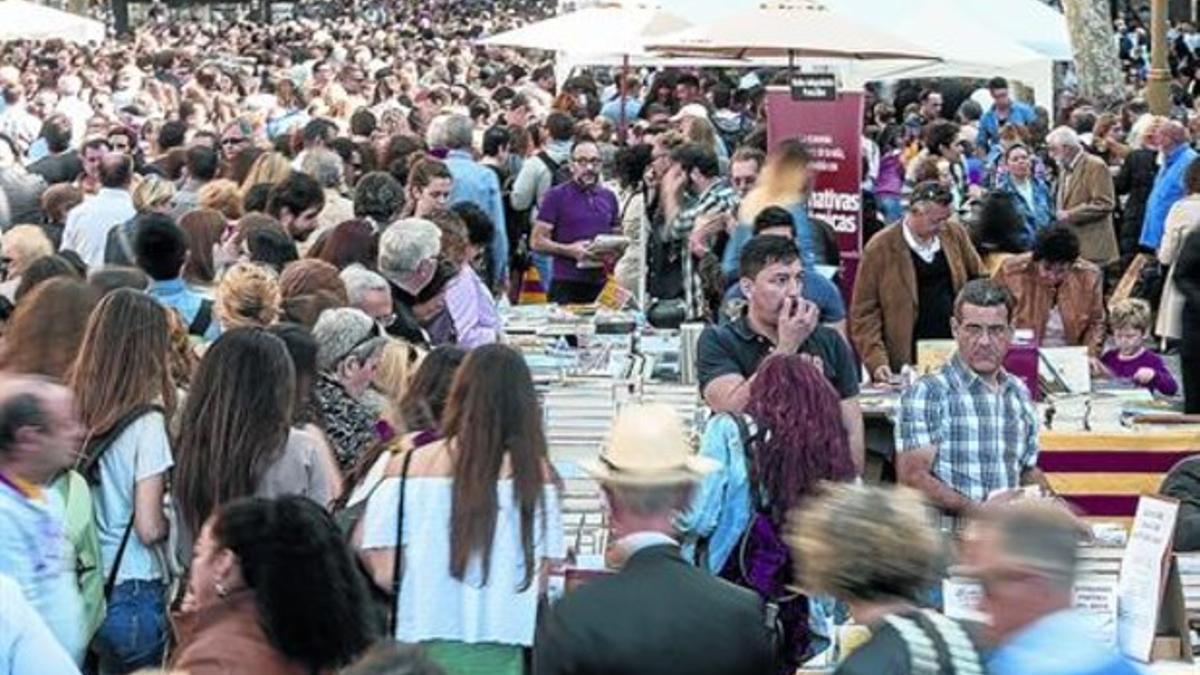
550, 163
111, 581
202, 320
95, 447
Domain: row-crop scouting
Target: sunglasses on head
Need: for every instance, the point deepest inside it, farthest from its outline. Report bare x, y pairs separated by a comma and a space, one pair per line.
932, 192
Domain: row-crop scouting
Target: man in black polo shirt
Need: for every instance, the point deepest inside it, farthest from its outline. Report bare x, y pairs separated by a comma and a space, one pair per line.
777, 320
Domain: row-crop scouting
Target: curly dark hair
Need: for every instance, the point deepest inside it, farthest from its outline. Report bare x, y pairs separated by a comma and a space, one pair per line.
631, 162
800, 441
288, 544
1056, 245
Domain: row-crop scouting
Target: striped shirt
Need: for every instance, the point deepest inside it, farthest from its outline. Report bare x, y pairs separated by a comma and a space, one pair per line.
984, 437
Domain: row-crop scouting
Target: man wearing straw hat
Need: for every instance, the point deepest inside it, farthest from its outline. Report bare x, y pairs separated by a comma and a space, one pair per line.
658, 614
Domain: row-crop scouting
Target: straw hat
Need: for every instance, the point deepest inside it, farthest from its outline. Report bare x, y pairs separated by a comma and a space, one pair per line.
647, 446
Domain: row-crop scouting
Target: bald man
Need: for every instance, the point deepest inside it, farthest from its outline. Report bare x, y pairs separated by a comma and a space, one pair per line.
1177, 155
40, 434
87, 227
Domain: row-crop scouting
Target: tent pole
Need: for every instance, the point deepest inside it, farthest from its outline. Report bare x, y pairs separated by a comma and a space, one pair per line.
623, 126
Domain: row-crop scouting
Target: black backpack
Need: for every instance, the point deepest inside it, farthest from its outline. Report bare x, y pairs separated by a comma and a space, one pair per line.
559, 173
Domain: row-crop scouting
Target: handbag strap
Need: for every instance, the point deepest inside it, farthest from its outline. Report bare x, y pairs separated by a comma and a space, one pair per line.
394, 618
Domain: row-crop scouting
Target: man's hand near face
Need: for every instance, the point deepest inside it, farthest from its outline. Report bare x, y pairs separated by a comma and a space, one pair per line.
797, 320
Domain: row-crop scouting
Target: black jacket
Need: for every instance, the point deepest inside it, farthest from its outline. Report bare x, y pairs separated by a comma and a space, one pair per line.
659, 614
1136, 179
1183, 483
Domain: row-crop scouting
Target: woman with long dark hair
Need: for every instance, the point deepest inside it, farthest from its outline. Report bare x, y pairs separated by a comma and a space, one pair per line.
236, 439
773, 457
486, 518
125, 394
274, 590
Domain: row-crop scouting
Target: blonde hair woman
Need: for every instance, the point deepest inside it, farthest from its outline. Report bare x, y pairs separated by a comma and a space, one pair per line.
221, 195
783, 182
20, 246
153, 195
271, 168
398, 362
248, 296
875, 549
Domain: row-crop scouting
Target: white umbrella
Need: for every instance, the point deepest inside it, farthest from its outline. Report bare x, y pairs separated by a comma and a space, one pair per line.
23, 20
606, 29
801, 29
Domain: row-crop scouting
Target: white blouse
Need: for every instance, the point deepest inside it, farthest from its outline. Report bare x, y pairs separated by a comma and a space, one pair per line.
433, 605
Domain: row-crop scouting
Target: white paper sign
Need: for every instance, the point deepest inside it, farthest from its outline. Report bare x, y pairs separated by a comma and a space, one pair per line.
1096, 598
1141, 585
962, 599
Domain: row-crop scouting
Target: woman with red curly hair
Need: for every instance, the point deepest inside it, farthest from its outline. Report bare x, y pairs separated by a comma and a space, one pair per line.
773, 457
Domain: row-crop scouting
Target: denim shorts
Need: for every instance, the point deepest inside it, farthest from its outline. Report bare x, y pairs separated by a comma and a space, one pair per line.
134, 631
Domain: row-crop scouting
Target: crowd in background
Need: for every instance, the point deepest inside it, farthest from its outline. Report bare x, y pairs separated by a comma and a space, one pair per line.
253, 401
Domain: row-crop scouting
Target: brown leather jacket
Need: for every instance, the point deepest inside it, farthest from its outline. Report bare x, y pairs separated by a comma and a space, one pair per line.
1080, 300
228, 639
883, 312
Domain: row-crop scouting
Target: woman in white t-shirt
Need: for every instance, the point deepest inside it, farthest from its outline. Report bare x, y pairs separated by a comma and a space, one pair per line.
123, 387
482, 520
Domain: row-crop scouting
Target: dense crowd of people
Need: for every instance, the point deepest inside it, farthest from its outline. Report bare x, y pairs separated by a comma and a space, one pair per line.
256, 415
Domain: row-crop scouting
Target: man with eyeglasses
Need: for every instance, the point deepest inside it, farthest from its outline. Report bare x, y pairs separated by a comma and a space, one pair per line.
969, 431
907, 280
572, 215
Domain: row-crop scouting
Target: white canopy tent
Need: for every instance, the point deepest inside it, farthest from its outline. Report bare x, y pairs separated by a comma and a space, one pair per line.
805, 29
969, 46
23, 20
1019, 39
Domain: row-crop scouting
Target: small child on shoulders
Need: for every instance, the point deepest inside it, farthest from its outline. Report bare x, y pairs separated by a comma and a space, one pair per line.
1129, 322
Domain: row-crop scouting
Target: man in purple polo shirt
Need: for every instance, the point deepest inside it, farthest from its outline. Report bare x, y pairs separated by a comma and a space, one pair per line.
568, 221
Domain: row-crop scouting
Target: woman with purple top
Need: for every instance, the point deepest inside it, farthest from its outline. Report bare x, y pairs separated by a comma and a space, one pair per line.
1129, 321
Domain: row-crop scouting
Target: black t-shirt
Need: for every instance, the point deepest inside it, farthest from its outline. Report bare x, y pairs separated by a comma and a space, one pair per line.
935, 298
735, 349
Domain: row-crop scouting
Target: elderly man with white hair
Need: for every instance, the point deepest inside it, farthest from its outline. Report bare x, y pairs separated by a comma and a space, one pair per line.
349, 344
408, 259
327, 168
475, 183
369, 292
1085, 197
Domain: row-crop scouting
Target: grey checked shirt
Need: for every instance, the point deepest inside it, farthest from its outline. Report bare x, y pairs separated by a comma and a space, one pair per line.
984, 437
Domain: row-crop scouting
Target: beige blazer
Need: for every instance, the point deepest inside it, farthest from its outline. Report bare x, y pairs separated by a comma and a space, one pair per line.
1086, 194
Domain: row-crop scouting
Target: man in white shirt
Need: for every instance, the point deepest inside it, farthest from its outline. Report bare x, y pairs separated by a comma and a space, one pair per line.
88, 224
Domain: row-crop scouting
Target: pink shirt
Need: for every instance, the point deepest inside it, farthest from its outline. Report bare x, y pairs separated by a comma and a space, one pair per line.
472, 310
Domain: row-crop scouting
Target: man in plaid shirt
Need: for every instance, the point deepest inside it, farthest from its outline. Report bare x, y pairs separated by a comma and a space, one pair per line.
970, 429
709, 208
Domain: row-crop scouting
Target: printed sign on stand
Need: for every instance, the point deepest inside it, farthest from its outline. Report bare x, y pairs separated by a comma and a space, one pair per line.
831, 130
1143, 578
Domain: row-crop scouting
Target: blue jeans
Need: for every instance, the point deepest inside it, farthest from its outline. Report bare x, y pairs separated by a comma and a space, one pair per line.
134, 631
